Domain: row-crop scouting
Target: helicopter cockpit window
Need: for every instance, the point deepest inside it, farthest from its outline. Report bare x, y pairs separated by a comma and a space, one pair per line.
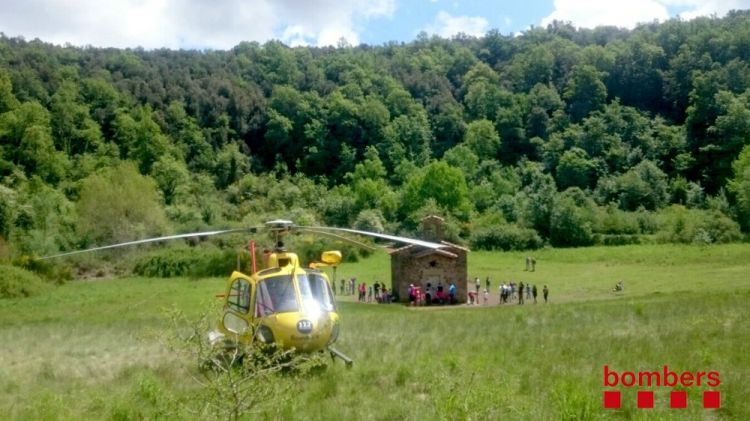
275, 295
239, 296
315, 292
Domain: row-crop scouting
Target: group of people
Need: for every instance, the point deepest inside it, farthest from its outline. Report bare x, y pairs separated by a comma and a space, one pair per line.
375, 293
432, 296
508, 292
512, 291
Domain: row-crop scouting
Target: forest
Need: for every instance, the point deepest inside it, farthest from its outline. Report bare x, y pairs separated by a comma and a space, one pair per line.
558, 137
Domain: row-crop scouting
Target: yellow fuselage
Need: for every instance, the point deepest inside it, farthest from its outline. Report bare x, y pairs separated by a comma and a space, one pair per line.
286, 304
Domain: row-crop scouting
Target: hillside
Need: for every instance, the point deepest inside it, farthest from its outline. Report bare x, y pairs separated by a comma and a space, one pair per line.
560, 136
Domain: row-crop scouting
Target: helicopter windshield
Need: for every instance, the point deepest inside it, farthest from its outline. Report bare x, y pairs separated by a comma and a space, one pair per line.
275, 295
315, 292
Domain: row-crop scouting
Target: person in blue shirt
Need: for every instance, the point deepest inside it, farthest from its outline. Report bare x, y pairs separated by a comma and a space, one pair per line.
452, 293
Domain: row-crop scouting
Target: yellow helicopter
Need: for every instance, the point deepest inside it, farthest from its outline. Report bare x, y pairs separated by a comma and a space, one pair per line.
283, 303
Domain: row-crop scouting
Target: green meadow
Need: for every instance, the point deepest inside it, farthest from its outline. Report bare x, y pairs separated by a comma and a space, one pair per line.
92, 349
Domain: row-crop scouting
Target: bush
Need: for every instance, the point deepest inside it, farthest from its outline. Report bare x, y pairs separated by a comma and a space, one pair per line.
617, 239
195, 262
505, 237
16, 282
311, 249
571, 224
681, 225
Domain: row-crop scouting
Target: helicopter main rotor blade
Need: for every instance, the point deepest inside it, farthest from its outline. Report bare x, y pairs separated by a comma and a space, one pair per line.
338, 237
152, 240
406, 240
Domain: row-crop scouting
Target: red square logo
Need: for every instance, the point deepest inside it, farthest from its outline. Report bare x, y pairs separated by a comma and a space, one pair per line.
711, 399
678, 399
611, 399
645, 399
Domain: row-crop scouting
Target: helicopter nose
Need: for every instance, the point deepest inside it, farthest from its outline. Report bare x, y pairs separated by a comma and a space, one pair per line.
304, 326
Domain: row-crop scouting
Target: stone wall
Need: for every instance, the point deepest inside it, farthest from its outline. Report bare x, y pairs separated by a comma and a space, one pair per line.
411, 266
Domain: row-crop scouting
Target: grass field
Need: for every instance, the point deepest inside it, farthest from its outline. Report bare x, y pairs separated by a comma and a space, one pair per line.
87, 350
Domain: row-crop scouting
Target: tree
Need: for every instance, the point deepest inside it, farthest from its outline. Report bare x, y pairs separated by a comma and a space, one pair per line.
27, 132
482, 139
170, 175
637, 74
533, 66
461, 156
72, 127
149, 144
730, 131
539, 190
188, 138
575, 170
440, 182
119, 204
644, 185
8, 101
369, 185
571, 223
584, 91
44, 219
413, 134
740, 186
231, 165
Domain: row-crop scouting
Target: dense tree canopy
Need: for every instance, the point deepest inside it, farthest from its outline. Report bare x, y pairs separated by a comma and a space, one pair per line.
560, 135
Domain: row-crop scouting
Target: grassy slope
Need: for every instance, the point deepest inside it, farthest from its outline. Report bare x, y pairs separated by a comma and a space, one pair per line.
86, 350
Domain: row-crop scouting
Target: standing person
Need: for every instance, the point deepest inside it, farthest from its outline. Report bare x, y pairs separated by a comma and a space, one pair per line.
487, 283
520, 293
528, 264
533, 292
486, 296
533, 264
528, 291
376, 289
545, 292
477, 284
452, 293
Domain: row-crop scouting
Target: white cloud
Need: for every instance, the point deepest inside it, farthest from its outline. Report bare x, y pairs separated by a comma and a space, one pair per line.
219, 24
447, 25
591, 13
708, 7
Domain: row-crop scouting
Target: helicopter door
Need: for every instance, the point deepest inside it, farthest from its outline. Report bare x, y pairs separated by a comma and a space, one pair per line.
238, 306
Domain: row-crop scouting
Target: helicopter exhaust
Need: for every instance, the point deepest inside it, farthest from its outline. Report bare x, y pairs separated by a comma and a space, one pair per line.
336, 353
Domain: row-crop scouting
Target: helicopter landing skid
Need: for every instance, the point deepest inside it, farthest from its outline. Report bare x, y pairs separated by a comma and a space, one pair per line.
336, 353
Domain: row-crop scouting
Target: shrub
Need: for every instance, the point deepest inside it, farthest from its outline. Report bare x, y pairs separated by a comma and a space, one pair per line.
505, 237
570, 224
184, 261
16, 282
311, 249
617, 239
681, 225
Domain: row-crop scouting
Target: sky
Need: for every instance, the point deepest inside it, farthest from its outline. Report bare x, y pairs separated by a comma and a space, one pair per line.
222, 24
